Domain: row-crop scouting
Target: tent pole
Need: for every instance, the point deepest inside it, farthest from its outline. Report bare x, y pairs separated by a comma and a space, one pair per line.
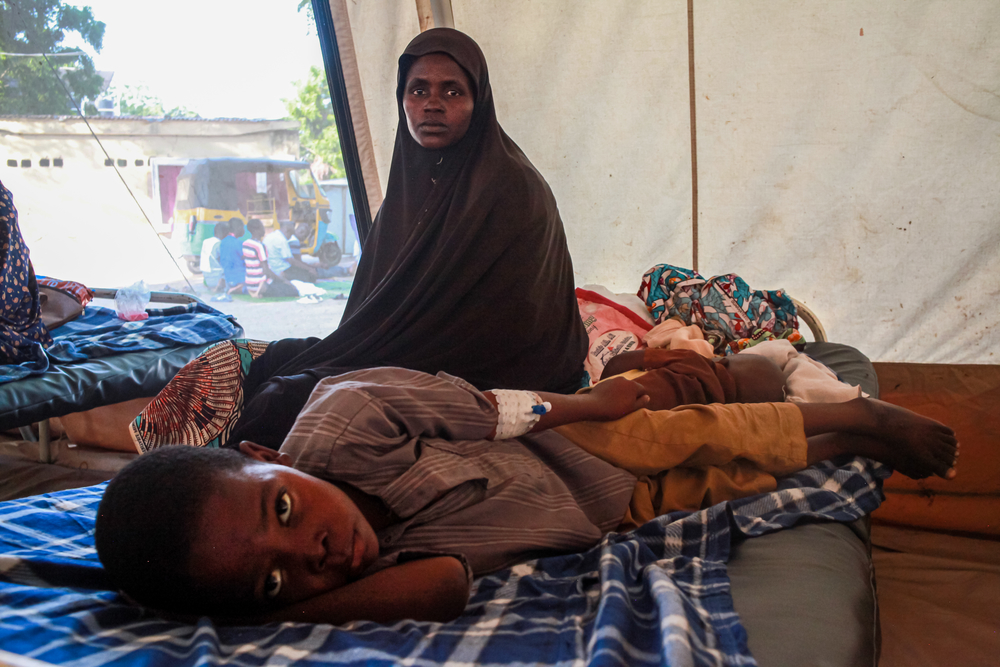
425, 14
435, 14
443, 16
694, 139
352, 124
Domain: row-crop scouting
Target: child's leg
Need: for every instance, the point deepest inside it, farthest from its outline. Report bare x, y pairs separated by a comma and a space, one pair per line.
772, 436
914, 445
646, 442
690, 489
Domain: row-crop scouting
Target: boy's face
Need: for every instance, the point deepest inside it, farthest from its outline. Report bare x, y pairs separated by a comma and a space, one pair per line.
271, 536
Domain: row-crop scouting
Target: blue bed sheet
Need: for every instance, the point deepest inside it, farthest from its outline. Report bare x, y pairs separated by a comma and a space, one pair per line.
656, 596
98, 333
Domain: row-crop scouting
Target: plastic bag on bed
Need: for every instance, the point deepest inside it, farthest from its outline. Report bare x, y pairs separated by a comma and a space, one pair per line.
130, 302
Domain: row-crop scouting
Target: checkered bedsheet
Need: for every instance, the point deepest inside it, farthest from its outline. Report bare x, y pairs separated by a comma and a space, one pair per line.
656, 596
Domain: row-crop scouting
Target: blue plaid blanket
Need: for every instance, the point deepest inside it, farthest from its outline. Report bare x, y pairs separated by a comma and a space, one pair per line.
656, 596
98, 332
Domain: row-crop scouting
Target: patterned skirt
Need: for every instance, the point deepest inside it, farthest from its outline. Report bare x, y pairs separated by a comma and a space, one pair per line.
202, 402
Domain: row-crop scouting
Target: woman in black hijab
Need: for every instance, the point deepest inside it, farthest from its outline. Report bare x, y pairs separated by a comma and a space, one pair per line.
466, 269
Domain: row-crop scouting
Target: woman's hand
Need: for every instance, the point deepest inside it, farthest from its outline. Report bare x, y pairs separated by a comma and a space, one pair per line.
616, 397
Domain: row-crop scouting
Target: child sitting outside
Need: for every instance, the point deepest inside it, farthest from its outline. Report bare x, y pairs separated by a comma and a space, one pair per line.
210, 267
394, 487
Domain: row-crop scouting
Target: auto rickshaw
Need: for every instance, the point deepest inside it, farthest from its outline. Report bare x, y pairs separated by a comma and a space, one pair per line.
214, 190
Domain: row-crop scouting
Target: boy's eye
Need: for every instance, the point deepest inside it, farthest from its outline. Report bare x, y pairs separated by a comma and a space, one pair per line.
272, 586
283, 507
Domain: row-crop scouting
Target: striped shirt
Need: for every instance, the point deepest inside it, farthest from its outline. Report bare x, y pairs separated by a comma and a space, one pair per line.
255, 258
418, 442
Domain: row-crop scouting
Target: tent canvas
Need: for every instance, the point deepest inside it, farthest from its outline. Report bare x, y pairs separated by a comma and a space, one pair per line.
847, 152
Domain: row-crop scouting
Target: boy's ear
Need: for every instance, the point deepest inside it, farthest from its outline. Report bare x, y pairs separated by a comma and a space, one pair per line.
264, 454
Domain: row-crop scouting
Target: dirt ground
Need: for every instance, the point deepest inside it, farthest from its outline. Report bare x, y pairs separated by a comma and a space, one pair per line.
286, 319
271, 319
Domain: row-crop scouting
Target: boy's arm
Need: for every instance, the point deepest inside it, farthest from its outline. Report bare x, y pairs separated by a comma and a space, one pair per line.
432, 589
607, 401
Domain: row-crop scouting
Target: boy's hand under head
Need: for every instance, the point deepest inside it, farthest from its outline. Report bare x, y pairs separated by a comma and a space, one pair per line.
244, 538
271, 536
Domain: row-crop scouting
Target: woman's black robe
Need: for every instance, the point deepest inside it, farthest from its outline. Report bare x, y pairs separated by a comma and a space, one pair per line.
466, 271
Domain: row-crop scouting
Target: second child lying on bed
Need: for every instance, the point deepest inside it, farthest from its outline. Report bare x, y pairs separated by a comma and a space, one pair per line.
395, 487
683, 377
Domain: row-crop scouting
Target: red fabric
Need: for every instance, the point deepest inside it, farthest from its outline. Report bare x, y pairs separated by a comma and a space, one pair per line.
587, 295
78, 291
167, 176
611, 330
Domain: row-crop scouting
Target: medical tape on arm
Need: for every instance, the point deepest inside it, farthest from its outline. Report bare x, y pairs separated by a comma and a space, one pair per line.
518, 412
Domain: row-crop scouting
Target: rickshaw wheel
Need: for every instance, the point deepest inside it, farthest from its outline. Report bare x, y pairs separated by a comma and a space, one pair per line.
330, 253
194, 265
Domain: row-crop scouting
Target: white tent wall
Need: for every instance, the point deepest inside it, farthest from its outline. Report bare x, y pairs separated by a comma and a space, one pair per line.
603, 116
857, 171
596, 95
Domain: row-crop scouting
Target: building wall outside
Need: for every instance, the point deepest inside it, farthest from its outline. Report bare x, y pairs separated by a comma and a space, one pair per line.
83, 207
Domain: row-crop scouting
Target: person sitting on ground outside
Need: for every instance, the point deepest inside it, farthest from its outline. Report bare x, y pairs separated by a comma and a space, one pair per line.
280, 258
211, 268
297, 238
231, 259
394, 487
684, 377
300, 237
260, 279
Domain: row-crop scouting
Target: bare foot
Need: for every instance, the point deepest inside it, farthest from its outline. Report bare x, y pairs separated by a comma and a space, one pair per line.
914, 445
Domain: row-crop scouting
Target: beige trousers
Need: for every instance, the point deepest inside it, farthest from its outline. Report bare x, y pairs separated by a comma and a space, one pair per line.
697, 455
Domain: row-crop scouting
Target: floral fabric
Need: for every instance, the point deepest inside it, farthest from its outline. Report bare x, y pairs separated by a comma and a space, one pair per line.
23, 337
733, 316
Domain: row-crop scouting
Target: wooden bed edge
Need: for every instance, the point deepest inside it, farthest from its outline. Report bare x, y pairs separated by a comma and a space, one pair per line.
809, 317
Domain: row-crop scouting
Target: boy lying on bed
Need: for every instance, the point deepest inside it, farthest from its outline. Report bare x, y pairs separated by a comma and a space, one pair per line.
394, 487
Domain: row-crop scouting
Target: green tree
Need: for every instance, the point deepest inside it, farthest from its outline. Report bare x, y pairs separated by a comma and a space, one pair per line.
318, 136
28, 84
307, 7
139, 101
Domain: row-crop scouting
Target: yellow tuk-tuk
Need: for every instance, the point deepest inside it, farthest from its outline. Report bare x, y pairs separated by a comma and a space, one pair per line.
214, 190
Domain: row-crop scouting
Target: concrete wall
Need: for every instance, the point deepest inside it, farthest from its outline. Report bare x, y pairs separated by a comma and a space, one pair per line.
83, 209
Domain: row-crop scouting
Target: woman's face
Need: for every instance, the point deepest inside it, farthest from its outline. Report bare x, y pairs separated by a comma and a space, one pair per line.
437, 101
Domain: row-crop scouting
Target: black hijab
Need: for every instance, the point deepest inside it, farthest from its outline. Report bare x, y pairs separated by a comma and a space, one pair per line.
466, 271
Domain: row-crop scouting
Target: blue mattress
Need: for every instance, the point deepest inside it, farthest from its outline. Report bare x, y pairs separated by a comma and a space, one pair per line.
99, 360
659, 595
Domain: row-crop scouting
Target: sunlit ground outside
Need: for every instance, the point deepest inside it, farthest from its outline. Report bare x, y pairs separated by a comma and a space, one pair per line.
206, 80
